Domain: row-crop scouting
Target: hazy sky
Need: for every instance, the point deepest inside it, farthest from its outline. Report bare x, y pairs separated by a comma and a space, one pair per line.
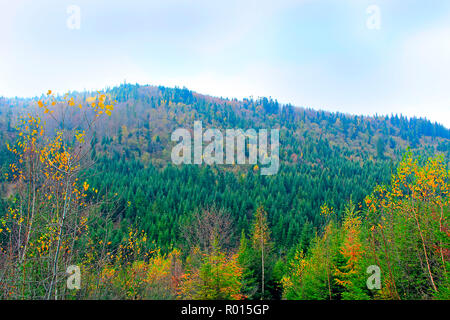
320, 54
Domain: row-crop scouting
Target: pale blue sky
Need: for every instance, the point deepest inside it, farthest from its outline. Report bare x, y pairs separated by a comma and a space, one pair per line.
318, 54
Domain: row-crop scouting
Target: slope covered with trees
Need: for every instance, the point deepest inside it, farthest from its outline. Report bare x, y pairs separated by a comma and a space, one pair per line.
87, 181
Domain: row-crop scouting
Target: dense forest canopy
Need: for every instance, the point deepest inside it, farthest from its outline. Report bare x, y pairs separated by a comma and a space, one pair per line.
299, 234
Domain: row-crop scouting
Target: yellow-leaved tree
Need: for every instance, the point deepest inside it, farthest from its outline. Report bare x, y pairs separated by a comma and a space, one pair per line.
41, 234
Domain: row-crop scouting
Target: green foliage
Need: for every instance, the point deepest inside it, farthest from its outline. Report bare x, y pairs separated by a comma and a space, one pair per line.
291, 245
403, 231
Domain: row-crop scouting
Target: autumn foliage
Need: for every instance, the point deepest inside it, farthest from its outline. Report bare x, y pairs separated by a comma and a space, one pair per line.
43, 231
57, 217
403, 230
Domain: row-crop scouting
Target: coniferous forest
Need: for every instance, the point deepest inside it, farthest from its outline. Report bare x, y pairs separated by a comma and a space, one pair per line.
358, 209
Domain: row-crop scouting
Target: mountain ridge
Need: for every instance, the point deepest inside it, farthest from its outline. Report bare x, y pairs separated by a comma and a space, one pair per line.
211, 98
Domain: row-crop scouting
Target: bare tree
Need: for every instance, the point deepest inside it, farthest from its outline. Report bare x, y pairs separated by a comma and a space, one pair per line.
204, 226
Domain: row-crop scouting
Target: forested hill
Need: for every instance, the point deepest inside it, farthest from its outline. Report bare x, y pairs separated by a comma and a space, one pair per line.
351, 193
146, 116
325, 158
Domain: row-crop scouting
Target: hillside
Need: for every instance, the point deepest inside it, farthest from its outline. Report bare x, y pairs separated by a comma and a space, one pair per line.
325, 158
139, 202
149, 114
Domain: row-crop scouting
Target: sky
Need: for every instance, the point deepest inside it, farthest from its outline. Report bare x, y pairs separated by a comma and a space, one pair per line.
352, 56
